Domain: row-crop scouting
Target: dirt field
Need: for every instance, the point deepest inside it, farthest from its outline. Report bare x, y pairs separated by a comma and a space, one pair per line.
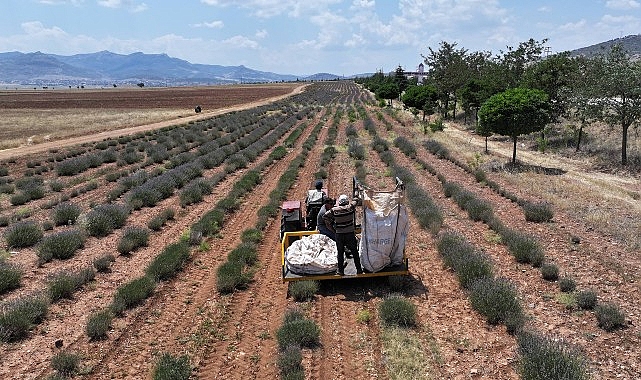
34, 117
233, 336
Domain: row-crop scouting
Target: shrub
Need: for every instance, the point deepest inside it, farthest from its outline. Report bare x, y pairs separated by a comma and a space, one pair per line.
231, 276
132, 239
543, 358
60, 245
252, 235
290, 363
132, 294
157, 222
550, 272
460, 255
244, 253
397, 311
169, 262
66, 363
105, 218
18, 317
479, 210
62, 285
19, 199
567, 285
10, 277
56, 185
300, 332
98, 324
609, 317
170, 367
23, 234
524, 248
303, 290
586, 299
103, 263
538, 212
496, 299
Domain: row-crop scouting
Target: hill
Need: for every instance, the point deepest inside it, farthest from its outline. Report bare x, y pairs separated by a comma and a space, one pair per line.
631, 44
107, 68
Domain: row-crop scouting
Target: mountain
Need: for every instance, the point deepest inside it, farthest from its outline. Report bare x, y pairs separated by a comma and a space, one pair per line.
106, 68
631, 44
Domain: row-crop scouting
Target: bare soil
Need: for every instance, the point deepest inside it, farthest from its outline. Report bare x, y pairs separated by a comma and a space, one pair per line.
234, 336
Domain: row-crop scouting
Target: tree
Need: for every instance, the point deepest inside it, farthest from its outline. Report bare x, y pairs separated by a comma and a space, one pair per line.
420, 97
449, 71
389, 91
400, 79
619, 86
515, 112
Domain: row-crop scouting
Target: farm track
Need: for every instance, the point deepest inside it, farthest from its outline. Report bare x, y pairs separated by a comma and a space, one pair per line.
540, 299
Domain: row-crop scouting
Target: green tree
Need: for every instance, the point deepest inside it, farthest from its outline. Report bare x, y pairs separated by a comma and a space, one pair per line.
449, 71
388, 90
422, 98
400, 79
515, 112
619, 86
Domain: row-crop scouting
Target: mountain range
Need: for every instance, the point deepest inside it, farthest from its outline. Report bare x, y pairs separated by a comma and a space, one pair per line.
105, 68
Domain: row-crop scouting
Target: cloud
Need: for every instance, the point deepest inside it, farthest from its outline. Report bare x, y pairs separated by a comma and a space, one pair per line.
273, 8
622, 4
261, 33
61, 2
217, 24
241, 42
131, 5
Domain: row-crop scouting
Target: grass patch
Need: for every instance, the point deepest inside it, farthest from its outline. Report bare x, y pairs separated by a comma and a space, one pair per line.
405, 357
170, 367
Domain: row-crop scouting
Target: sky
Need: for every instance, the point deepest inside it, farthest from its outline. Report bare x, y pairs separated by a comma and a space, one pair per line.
342, 37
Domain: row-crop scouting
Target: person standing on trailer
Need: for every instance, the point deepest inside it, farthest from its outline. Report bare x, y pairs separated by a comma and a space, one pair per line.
340, 220
320, 223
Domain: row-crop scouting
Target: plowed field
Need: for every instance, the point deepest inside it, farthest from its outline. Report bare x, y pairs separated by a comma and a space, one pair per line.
233, 335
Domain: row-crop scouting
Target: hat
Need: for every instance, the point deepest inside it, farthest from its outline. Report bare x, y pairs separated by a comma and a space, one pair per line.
343, 200
319, 185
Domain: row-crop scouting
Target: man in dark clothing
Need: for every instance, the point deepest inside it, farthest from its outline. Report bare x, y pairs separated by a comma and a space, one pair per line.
340, 220
320, 223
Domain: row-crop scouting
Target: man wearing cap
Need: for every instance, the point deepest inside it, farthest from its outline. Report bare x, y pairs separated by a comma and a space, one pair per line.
340, 220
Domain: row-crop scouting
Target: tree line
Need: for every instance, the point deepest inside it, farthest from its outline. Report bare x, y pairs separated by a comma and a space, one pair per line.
519, 91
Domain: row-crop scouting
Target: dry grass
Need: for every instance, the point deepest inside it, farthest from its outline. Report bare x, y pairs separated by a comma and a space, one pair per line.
19, 127
609, 203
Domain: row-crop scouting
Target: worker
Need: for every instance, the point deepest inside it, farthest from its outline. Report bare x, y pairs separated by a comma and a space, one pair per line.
320, 223
340, 220
316, 195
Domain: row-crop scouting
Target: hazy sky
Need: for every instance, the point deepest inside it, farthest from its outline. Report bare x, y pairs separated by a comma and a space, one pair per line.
306, 37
